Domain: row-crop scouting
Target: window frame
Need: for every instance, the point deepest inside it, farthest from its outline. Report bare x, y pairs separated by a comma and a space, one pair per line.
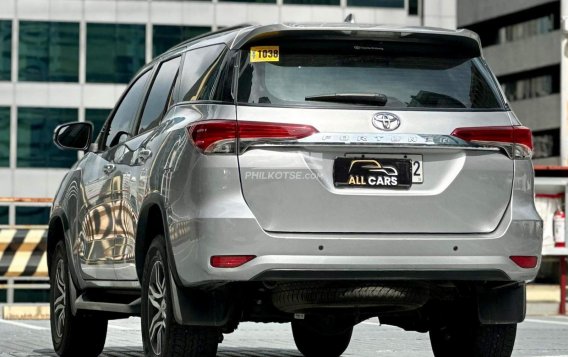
105, 130
100, 132
175, 86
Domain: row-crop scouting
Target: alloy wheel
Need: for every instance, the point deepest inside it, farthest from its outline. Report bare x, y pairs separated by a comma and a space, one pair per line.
59, 303
157, 307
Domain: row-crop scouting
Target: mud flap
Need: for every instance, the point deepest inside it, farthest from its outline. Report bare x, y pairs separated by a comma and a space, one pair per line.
199, 308
502, 305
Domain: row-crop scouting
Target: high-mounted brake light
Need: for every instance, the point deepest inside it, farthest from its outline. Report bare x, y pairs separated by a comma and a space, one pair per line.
230, 261
219, 136
516, 140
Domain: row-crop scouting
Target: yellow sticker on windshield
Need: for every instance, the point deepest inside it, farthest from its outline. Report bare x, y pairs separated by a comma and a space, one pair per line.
265, 54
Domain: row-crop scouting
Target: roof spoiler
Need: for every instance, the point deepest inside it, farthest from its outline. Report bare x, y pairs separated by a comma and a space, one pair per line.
462, 39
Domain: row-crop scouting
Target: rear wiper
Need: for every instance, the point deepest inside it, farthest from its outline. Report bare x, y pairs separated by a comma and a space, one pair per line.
353, 98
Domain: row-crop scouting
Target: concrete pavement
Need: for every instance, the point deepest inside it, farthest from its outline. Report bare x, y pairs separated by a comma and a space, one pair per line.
537, 337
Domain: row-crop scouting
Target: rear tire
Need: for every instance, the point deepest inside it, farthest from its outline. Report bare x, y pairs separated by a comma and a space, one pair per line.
71, 335
312, 342
162, 336
470, 339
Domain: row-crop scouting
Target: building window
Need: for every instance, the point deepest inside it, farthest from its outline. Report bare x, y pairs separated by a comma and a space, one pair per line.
35, 130
398, 4
526, 29
546, 143
49, 51
165, 37
32, 215
115, 52
312, 2
4, 215
4, 137
98, 118
413, 7
5, 50
528, 88
533, 84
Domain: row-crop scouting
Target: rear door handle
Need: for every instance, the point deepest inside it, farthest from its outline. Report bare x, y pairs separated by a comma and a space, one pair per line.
144, 154
108, 168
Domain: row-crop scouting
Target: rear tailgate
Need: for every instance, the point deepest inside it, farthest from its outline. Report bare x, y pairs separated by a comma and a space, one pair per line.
290, 187
383, 159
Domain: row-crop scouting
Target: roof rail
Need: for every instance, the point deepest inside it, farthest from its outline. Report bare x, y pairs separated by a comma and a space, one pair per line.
210, 33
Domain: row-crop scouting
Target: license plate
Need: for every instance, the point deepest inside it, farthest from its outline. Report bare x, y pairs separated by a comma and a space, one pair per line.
417, 163
385, 173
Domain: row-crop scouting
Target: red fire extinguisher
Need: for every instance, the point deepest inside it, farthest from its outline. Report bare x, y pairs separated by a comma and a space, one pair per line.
559, 229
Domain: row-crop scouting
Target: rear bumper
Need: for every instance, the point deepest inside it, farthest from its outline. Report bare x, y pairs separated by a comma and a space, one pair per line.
344, 257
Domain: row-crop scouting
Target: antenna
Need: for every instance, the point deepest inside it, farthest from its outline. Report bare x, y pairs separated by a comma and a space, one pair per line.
350, 19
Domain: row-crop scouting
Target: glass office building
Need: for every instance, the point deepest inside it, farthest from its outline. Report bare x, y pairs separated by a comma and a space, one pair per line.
70, 60
522, 44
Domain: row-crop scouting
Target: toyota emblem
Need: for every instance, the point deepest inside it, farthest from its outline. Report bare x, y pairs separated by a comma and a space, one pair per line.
386, 121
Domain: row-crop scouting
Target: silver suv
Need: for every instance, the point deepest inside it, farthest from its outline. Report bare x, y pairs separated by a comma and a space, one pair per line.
315, 174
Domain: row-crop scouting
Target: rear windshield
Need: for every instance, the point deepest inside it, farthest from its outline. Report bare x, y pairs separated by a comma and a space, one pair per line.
404, 79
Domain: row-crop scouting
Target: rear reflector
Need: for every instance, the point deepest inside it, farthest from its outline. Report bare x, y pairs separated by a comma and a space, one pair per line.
218, 136
230, 261
523, 261
519, 136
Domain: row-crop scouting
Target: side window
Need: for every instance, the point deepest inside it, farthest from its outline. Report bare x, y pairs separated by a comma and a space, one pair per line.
125, 114
200, 69
224, 90
162, 86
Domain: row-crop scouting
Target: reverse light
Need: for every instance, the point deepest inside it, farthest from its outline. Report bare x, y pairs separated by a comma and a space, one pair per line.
219, 136
525, 261
516, 140
230, 261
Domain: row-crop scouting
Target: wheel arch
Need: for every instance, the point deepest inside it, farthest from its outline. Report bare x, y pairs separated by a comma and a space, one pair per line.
58, 228
58, 225
152, 220
198, 308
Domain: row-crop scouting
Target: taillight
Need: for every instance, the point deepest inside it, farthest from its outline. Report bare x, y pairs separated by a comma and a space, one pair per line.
230, 261
516, 140
219, 136
214, 136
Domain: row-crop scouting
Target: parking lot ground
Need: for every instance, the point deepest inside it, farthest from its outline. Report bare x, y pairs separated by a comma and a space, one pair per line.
537, 337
